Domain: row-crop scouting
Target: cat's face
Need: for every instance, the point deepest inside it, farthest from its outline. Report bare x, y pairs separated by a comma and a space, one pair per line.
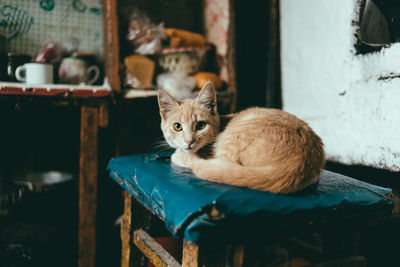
190, 124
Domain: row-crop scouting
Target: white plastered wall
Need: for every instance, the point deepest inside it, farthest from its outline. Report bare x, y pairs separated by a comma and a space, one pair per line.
340, 94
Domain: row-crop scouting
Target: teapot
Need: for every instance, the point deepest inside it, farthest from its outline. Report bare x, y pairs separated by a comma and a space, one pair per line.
78, 69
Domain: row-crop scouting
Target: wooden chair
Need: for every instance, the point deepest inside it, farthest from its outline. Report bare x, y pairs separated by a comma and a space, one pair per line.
219, 223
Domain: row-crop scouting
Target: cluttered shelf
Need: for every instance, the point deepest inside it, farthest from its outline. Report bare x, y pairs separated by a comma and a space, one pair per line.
152, 46
68, 90
82, 91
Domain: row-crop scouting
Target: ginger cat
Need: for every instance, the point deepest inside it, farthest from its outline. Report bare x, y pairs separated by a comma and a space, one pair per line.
263, 149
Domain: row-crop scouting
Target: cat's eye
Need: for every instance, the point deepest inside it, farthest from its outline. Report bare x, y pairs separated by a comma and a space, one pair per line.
200, 125
177, 126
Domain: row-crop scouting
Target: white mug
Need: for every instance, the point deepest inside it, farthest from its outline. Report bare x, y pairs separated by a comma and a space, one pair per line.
35, 73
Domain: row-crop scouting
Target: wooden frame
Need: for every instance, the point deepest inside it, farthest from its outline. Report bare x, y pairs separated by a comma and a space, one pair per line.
111, 44
135, 239
340, 247
88, 186
152, 250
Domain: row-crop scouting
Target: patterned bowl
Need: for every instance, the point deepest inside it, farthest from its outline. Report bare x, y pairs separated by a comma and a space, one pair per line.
187, 60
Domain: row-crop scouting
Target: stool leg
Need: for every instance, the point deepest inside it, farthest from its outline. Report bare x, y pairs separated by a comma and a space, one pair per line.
190, 255
135, 217
126, 231
195, 255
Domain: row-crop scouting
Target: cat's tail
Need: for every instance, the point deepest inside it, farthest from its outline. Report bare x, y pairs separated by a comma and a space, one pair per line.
277, 179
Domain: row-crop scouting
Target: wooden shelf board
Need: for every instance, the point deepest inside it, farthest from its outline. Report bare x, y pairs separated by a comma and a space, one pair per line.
55, 90
137, 93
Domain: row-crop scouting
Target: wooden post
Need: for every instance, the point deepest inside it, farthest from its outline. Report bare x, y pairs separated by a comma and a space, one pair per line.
88, 162
135, 217
111, 44
190, 255
126, 231
103, 115
231, 56
210, 255
274, 98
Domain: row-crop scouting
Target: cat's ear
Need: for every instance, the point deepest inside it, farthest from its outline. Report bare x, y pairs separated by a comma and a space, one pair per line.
207, 97
166, 102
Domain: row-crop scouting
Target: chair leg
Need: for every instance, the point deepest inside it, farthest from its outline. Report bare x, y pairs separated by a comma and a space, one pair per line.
195, 255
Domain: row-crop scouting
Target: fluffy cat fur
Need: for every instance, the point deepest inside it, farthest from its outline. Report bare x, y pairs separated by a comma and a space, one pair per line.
263, 149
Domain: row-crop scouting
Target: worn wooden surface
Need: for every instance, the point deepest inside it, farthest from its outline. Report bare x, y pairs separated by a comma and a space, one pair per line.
103, 115
54, 90
126, 231
141, 219
88, 186
152, 250
111, 44
238, 256
190, 256
231, 57
274, 99
135, 217
210, 255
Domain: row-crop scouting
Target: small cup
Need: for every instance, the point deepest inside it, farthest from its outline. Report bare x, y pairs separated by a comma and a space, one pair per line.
35, 73
77, 70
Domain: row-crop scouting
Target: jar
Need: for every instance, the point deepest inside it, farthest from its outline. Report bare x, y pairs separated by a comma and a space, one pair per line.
14, 61
3, 67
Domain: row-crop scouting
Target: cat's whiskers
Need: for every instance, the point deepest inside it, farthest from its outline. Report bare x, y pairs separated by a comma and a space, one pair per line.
161, 146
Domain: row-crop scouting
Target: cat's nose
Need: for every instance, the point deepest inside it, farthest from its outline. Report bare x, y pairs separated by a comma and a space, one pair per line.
189, 143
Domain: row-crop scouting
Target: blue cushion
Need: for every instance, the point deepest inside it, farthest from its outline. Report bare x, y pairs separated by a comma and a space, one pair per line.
197, 209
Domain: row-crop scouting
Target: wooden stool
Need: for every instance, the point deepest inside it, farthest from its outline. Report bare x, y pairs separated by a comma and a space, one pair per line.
219, 222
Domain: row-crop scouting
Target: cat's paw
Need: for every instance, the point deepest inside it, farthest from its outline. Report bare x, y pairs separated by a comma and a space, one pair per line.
183, 159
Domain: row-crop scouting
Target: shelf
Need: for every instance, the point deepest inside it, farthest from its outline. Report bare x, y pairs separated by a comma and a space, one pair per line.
224, 98
54, 90
137, 93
